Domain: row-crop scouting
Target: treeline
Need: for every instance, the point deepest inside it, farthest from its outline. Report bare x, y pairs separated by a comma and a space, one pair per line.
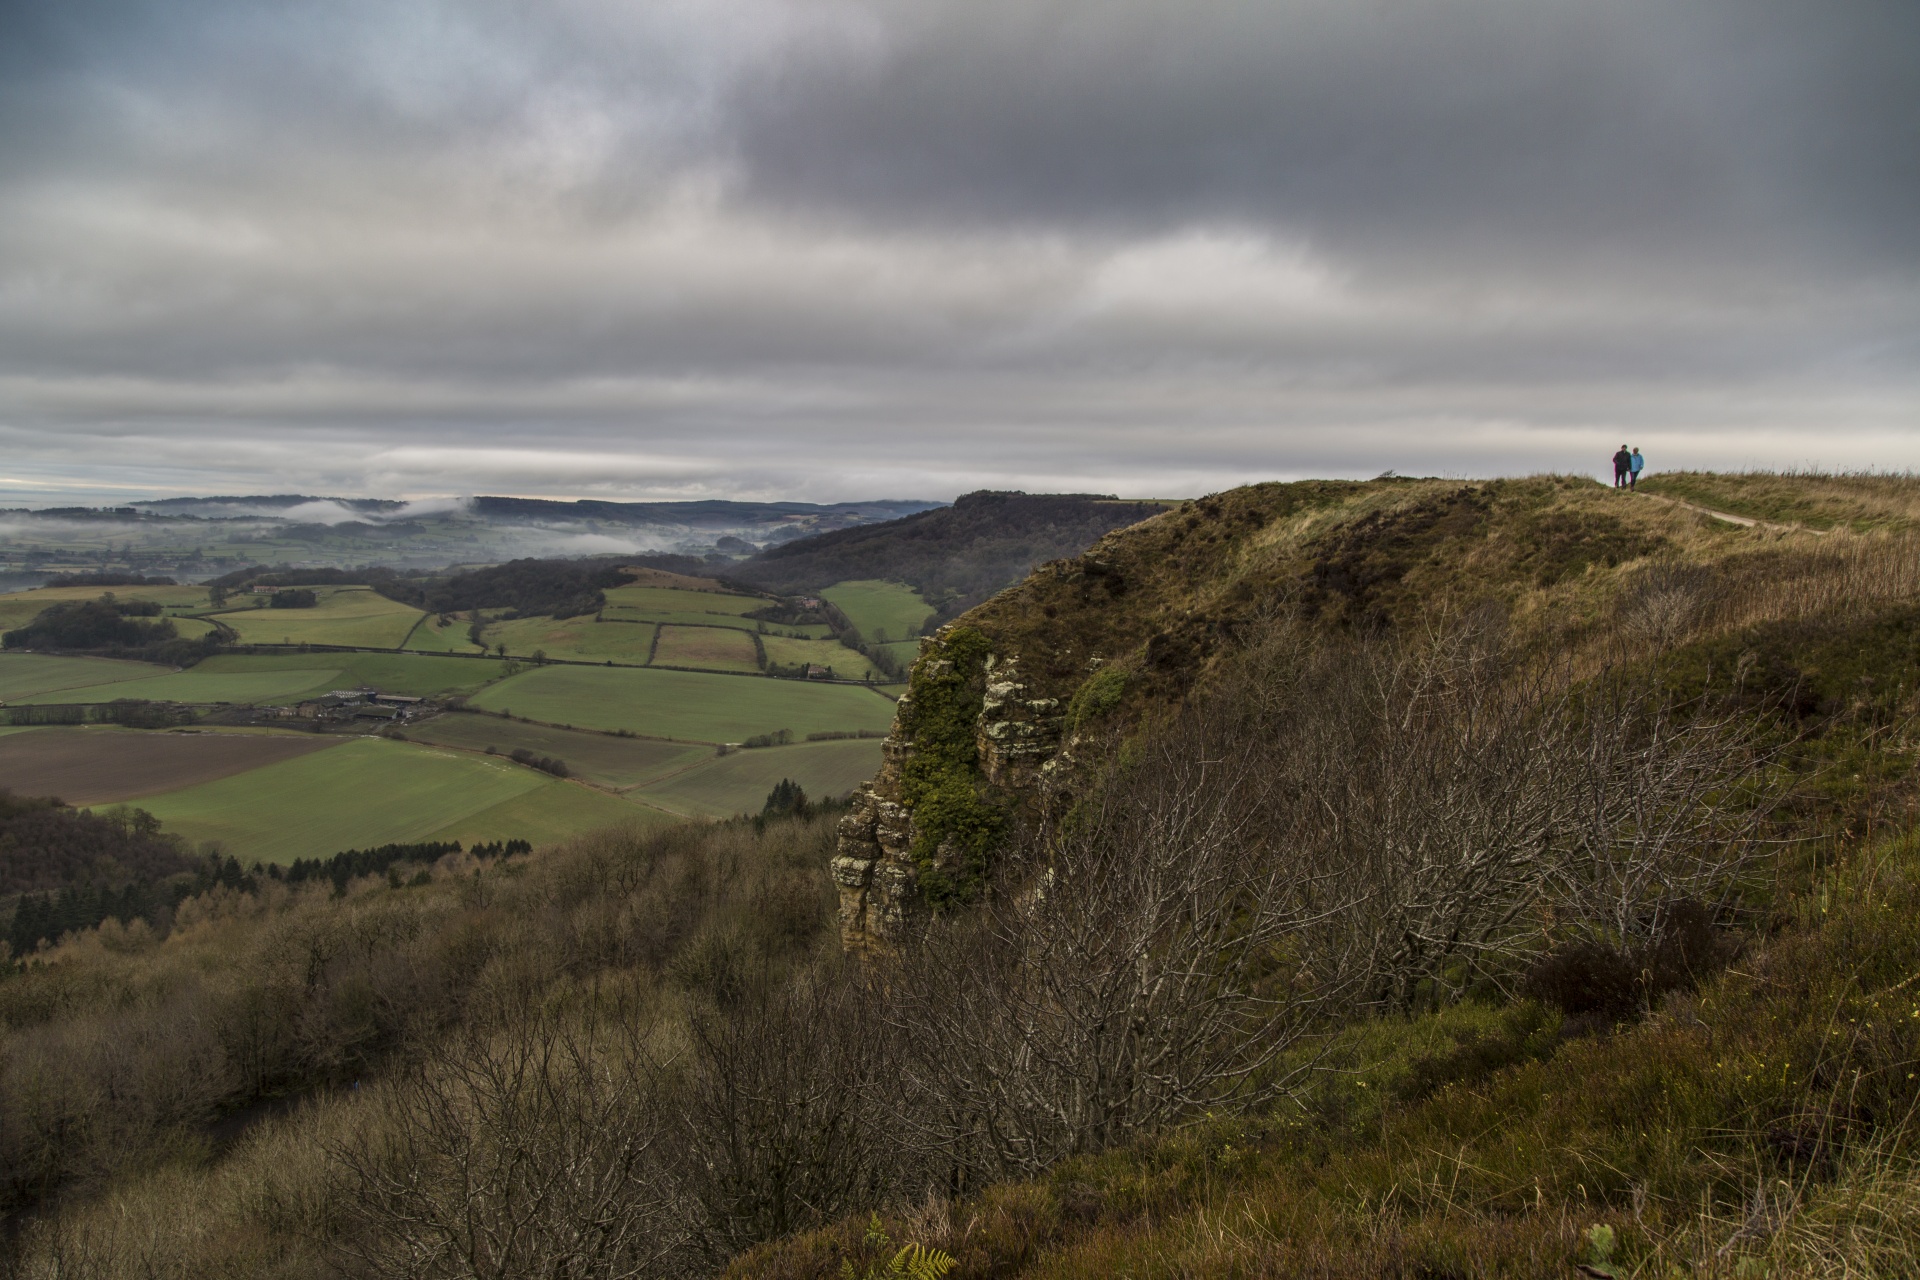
149, 882
44, 844
525, 588
343, 868
546, 764
108, 628
955, 556
47, 917
107, 580
129, 713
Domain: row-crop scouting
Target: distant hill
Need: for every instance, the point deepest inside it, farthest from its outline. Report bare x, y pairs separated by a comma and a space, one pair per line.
955, 556
772, 517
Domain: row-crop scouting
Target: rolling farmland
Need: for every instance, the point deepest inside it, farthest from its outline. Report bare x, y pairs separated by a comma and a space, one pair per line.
371, 791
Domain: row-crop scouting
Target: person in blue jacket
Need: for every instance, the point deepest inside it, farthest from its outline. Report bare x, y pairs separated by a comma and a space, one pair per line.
1633, 470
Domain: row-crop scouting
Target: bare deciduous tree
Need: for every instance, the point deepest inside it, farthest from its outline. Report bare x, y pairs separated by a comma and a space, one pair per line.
1155, 962
526, 1154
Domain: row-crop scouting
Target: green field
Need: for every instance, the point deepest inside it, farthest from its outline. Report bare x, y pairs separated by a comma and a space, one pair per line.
846, 664
195, 685
553, 813
22, 675
581, 639
676, 600
739, 783
709, 648
430, 637
370, 792
344, 615
684, 704
597, 757
882, 611
281, 677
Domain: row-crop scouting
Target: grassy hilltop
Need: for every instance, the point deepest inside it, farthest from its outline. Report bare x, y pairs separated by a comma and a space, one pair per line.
1440, 879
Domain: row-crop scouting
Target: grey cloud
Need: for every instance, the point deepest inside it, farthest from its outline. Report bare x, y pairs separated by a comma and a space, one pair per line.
1488, 128
834, 248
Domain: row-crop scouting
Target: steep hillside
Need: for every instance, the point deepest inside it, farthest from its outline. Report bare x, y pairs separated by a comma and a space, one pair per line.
955, 556
986, 734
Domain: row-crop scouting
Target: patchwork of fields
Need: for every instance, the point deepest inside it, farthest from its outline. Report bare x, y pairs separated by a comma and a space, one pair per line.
640, 743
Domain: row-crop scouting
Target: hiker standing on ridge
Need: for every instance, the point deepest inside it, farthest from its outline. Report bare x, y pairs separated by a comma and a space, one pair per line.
1622, 466
1633, 470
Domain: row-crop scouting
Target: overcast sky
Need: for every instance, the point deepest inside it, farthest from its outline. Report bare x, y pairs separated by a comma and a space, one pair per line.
831, 249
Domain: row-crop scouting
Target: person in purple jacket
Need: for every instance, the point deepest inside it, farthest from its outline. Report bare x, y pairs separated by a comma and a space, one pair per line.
1622, 467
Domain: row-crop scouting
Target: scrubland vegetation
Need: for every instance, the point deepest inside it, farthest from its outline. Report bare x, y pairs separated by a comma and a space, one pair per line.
1440, 881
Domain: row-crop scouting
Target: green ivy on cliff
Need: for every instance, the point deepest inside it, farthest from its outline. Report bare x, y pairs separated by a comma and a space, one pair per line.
940, 782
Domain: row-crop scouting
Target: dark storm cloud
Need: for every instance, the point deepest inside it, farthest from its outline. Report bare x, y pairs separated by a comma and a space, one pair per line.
845, 247
1501, 126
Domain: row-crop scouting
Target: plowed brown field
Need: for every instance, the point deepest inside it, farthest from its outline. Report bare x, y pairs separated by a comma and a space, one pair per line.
104, 766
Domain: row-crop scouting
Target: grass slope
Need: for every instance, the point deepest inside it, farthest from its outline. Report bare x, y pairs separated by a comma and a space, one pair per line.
23, 675
430, 637
1861, 503
343, 615
597, 757
365, 792
552, 813
883, 611
684, 704
726, 785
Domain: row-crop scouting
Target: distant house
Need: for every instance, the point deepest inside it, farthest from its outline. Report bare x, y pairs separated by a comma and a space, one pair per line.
264, 591
398, 699
376, 713
819, 673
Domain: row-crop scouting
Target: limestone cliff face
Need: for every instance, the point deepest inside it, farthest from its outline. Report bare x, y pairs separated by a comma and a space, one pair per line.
982, 744
1016, 736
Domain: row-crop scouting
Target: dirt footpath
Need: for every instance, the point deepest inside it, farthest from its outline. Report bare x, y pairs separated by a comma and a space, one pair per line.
90, 766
